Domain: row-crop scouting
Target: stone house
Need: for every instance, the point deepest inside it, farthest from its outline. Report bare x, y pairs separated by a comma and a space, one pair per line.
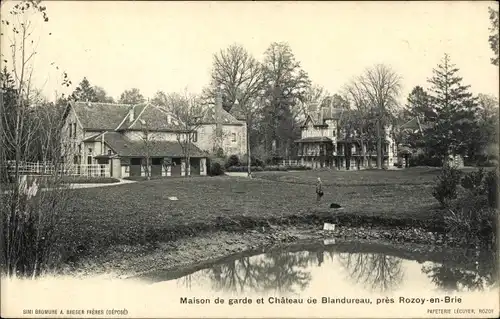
119, 138
219, 129
324, 142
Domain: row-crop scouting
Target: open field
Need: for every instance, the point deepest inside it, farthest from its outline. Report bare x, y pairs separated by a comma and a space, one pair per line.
141, 213
410, 176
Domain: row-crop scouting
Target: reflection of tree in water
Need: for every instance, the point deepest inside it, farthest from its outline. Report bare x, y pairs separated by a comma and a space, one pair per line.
278, 271
187, 281
378, 272
458, 279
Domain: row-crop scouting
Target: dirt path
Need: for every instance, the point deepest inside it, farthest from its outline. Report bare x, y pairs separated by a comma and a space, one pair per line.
89, 185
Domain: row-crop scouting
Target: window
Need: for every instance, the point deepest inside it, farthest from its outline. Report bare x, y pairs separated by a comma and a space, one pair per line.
110, 152
70, 130
90, 151
79, 148
333, 133
233, 137
195, 137
74, 130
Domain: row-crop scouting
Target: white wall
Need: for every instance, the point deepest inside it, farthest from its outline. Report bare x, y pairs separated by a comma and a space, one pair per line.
207, 138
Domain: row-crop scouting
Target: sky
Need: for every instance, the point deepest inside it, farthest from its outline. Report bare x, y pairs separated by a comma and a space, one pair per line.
169, 46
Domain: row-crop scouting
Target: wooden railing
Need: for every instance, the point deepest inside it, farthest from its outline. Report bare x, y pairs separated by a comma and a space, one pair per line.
41, 168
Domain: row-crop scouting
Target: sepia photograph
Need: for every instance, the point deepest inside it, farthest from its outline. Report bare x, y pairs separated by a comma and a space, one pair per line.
249, 159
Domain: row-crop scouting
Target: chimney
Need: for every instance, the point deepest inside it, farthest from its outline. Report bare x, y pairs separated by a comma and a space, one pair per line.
131, 115
102, 143
218, 114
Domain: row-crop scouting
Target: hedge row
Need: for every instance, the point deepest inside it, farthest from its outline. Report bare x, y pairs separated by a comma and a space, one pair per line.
281, 168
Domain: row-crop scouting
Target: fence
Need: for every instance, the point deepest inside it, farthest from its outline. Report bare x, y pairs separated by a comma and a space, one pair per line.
42, 168
290, 163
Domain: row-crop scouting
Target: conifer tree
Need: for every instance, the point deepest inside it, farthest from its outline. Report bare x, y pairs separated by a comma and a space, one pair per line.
455, 108
85, 92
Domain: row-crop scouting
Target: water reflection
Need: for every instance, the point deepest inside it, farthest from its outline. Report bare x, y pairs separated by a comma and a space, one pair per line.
480, 275
279, 272
368, 267
377, 272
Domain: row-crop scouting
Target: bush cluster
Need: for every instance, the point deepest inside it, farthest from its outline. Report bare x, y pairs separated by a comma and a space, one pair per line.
216, 167
446, 188
425, 160
234, 160
474, 214
268, 168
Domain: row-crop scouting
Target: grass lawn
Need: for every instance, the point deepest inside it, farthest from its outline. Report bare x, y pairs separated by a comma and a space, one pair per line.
142, 212
409, 176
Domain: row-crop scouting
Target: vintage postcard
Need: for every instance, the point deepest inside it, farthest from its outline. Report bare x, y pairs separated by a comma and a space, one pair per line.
286, 159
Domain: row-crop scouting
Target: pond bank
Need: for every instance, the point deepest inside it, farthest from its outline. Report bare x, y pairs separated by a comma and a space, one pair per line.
132, 260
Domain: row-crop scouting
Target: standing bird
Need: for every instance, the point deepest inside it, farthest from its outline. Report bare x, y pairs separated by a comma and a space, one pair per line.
319, 190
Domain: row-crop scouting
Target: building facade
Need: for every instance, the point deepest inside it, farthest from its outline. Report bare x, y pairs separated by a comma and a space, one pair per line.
127, 140
324, 143
221, 131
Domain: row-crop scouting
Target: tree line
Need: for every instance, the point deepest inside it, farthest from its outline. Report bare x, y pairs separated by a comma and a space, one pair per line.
273, 95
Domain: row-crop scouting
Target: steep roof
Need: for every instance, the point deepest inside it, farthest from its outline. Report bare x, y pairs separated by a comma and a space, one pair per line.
226, 117
100, 116
154, 119
126, 147
238, 113
328, 114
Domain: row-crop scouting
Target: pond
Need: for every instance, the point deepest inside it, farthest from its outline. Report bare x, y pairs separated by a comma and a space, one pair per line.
327, 268
303, 280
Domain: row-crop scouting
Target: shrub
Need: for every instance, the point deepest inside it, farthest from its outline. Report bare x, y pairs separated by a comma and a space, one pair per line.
471, 219
31, 229
446, 188
473, 181
490, 185
89, 180
216, 167
244, 169
255, 161
233, 160
271, 168
423, 159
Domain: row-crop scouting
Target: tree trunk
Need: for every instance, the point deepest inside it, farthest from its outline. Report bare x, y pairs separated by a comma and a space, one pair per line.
249, 156
379, 146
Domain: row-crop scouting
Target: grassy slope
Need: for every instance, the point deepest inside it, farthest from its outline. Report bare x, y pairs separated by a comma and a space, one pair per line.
142, 213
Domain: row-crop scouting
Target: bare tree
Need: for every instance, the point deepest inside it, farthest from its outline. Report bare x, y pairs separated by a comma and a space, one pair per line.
315, 94
237, 74
186, 113
357, 121
29, 218
237, 78
149, 143
285, 84
381, 86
